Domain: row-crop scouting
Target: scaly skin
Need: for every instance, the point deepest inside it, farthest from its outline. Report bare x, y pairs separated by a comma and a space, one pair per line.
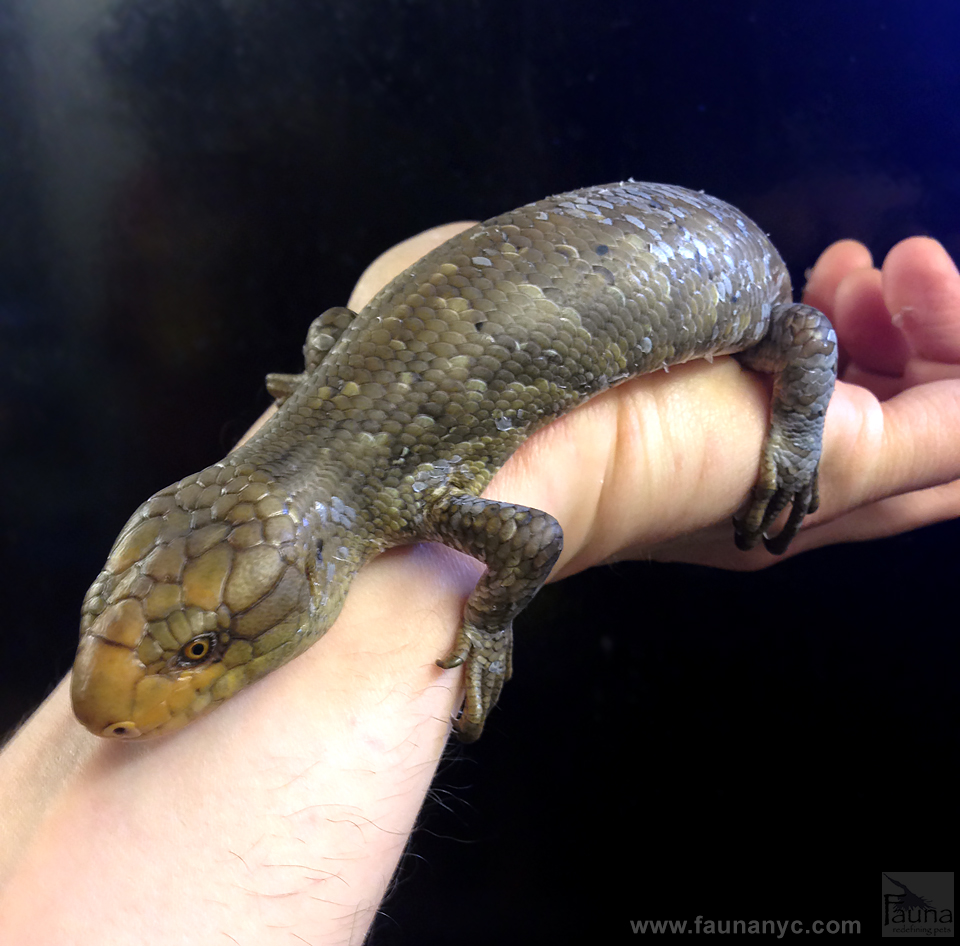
403, 415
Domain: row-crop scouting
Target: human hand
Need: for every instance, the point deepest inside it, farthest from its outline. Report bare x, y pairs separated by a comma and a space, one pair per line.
656, 467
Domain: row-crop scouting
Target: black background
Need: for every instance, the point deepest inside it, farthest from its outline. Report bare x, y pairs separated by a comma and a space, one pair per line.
184, 184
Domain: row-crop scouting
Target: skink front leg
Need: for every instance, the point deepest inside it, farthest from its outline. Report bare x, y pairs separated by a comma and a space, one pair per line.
519, 546
800, 350
322, 335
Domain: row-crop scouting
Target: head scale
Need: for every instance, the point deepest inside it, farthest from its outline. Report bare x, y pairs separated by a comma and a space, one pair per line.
206, 589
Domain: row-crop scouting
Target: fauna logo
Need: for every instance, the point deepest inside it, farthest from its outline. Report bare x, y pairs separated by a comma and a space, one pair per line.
923, 912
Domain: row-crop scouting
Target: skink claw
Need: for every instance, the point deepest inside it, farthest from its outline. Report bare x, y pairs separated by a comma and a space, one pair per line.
765, 506
487, 656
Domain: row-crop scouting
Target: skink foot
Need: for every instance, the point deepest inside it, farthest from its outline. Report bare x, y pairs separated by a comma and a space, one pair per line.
765, 505
488, 664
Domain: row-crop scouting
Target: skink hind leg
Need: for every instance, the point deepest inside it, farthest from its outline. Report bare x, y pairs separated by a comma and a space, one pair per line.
519, 546
800, 349
322, 335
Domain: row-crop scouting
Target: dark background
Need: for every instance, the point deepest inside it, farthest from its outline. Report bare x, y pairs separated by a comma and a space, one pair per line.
184, 184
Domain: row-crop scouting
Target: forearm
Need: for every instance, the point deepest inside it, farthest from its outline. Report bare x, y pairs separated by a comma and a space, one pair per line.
284, 812
289, 808
326, 767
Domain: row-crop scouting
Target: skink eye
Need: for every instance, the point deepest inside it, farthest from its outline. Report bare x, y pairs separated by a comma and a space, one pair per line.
197, 650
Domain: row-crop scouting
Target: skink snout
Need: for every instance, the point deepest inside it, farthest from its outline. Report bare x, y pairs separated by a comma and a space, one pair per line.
115, 694
105, 678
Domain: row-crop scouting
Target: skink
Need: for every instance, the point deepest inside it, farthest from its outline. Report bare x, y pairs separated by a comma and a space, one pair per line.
401, 417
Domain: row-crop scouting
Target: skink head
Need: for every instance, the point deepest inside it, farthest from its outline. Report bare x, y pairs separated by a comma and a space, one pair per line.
205, 590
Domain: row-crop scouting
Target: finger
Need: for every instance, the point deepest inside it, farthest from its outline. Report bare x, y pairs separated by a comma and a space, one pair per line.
921, 287
873, 451
833, 264
887, 517
899, 461
871, 341
905, 469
